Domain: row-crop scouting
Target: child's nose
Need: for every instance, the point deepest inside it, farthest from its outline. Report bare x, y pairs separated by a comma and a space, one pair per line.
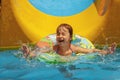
61, 35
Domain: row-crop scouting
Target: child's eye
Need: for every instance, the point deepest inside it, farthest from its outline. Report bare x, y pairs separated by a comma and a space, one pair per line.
63, 34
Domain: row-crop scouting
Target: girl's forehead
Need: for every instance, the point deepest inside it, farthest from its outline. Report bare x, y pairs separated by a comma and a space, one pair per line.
63, 29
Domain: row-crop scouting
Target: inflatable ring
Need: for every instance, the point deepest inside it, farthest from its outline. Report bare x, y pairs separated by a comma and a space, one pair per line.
55, 58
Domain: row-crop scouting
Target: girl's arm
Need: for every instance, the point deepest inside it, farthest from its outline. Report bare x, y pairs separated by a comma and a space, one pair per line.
110, 50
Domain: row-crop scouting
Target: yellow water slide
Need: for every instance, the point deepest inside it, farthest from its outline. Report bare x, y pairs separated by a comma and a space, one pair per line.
22, 22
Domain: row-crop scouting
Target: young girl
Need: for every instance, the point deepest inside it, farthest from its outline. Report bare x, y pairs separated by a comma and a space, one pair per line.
64, 47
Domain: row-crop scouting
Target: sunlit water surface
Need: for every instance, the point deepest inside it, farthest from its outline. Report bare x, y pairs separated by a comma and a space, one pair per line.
100, 68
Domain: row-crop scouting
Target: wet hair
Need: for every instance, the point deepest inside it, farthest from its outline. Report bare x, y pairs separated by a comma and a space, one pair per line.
67, 26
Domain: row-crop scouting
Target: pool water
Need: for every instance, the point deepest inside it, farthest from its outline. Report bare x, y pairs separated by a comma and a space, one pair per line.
100, 68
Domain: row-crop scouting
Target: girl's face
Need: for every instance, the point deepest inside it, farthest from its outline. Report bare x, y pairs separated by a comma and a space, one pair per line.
63, 36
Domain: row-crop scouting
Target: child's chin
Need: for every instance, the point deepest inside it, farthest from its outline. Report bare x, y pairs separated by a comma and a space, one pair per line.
61, 43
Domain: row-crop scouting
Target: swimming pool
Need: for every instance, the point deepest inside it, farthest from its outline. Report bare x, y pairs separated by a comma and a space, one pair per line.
101, 68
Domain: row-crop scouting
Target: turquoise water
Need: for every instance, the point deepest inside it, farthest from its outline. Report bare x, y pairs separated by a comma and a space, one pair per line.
100, 68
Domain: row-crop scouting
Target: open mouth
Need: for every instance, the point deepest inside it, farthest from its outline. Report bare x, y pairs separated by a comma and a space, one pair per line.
60, 40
